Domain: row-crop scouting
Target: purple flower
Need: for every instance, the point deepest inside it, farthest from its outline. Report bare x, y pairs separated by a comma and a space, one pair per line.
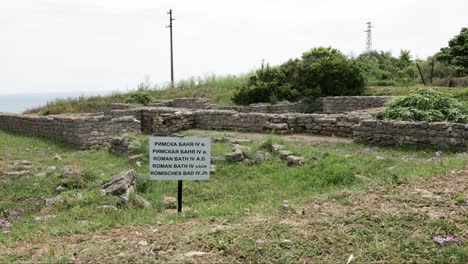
6, 232
260, 241
442, 240
4, 223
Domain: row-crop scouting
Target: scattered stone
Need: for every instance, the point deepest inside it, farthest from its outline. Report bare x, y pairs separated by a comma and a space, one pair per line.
212, 169
53, 200
57, 157
122, 184
238, 140
138, 163
45, 217
234, 156
239, 148
23, 164
284, 154
50, 170
277, 148
84, 222
142, 243
140, 202
108, 207
196, 254
169, 200
124, 145
71, 172
295, 160
260, 157
379, 158
217, 158
40, 174
217, 139
17, 173
136, 157
249, 162
60, 189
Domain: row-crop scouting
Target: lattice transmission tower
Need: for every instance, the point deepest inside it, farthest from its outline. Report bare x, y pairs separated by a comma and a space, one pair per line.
369, 37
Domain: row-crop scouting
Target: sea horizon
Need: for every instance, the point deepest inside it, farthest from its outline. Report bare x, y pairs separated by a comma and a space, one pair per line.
20, 102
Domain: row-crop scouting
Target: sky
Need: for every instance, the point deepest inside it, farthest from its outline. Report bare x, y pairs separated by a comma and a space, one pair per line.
112, 45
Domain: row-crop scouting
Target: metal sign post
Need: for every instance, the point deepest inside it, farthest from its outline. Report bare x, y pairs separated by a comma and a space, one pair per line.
174, 158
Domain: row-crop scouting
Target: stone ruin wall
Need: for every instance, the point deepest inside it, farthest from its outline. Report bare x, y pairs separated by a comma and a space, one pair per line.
163, 121
340, 104
97, 131
82, 131
390, 133
329, 105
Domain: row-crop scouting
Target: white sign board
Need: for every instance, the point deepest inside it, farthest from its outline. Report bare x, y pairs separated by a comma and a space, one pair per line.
174, 158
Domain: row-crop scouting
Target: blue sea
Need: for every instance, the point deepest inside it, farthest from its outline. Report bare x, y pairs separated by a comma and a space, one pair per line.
17, 103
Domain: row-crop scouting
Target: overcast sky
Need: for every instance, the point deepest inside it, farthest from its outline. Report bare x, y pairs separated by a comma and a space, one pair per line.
108, 45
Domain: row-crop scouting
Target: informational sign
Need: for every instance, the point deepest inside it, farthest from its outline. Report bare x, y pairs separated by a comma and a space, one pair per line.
174, 158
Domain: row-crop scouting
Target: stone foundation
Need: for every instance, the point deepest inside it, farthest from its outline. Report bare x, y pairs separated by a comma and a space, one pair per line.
340, 104
82, 131
438, 134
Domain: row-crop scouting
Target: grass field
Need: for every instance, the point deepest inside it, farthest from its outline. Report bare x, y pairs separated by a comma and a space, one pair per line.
381, 205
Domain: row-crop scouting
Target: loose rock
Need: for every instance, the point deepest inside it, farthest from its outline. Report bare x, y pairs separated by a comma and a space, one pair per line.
70, 172
295, 160
122, 184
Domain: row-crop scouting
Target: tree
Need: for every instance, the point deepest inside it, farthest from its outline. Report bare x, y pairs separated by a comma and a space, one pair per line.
320, 72
456, 54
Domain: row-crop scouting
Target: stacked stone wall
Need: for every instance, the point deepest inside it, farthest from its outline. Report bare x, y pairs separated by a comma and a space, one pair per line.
340, 104
329, 105
437, 134
82, 131
280, 108
165, 120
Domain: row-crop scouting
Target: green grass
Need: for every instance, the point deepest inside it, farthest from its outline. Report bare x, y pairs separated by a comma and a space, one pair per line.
217, 88
457, 92
232, 191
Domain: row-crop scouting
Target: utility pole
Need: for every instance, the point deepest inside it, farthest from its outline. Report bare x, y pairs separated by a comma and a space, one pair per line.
172, 54
369, 37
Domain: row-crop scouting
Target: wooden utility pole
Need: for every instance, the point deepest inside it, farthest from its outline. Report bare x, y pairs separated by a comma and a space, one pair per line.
172, 53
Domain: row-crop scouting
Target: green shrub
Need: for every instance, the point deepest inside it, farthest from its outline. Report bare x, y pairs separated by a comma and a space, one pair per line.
142, 97
426, 105
320, 72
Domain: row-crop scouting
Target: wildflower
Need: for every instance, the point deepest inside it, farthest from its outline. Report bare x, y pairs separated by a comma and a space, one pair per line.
4, 223
438, 153
285, 203
442, 240
6, 232
260, 241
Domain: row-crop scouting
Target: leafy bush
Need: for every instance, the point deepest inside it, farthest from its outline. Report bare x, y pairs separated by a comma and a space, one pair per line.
320, 72
427, 105
381, 68
142, 97
456, 55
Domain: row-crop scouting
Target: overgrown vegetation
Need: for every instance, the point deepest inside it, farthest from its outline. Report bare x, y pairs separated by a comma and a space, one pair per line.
239, 214
319, 72
427, 105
